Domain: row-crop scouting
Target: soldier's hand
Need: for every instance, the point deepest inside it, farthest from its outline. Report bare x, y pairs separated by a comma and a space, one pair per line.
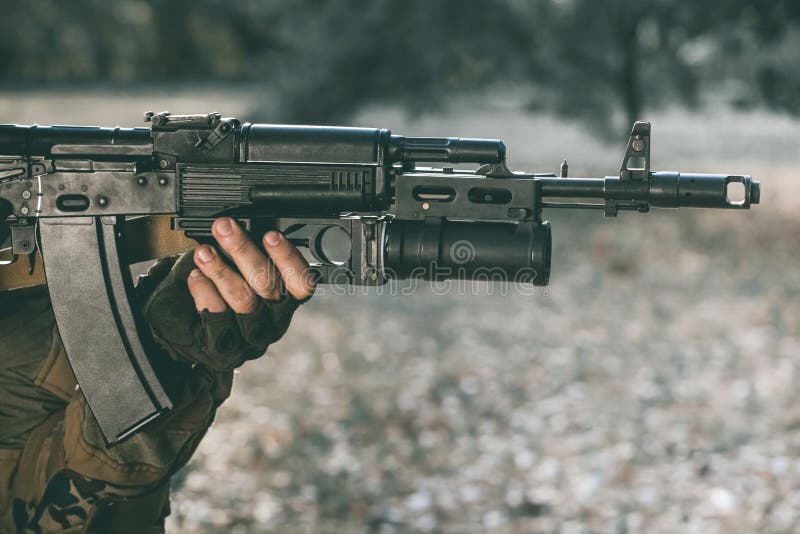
216, 286
210, 312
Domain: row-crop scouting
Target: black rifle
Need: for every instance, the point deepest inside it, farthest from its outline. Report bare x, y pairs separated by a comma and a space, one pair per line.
353, 198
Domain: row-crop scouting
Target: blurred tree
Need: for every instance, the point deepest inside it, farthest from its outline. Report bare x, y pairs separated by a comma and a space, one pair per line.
605, 57
322, 59
132, 40
758, 52
604, 62
345, 54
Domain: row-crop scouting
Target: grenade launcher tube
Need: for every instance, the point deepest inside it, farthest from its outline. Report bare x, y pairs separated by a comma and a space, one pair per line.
509, 252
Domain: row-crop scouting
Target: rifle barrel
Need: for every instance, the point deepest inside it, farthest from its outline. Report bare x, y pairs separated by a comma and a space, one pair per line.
662, 189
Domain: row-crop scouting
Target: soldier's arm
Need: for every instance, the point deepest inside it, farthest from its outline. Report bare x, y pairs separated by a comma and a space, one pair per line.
208, 316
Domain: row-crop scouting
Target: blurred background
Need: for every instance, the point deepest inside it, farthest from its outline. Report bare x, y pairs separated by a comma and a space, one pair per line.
653, 387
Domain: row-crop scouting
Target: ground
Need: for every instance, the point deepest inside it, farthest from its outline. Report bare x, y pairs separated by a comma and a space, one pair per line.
653, 387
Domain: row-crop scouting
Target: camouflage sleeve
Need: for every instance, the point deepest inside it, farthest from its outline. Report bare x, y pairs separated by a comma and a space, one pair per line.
66, 474
56, 473
26, 326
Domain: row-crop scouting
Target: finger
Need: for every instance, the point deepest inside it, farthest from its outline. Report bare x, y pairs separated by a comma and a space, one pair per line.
251, 261
230, 284
204, 293
292, 265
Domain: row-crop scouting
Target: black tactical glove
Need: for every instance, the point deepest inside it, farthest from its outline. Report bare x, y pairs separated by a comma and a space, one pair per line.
217, 340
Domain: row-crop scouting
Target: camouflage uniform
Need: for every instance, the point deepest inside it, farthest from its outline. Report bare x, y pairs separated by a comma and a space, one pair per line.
56, 475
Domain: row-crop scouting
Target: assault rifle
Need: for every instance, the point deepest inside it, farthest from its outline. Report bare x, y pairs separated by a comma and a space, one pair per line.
86, 202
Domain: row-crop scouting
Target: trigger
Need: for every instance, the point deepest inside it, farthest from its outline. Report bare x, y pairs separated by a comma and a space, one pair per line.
6, 250
31, 262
